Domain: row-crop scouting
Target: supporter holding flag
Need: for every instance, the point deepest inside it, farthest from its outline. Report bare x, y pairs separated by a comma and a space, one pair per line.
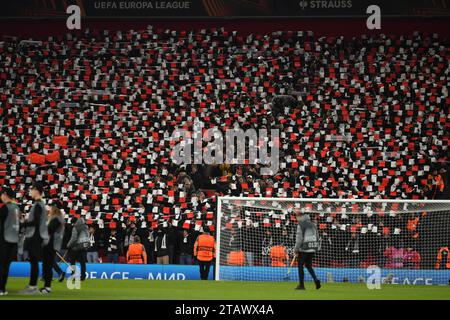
130, 234
113, 247
186, 247
161, 248
36, 235
9, 235
92, 252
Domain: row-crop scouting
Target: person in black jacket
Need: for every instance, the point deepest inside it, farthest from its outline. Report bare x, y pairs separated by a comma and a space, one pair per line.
196, 176
248, 234
130, 233
171, 243
55, 227
113, 247
186, 247
161, 248
36, 235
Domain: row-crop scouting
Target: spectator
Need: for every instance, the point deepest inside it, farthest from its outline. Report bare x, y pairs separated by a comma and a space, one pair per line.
113, 247
171, 242
394, 257
353, 251
377, 139
249, 234
161, 248
186, 245
196, 176
151, 241
92, 252
411, 259
130, 233
267, 244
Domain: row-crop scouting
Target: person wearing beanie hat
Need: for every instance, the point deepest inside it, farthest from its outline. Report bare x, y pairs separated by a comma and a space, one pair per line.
306, 245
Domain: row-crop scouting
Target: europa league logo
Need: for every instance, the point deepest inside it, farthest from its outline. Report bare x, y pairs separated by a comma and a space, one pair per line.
303, 4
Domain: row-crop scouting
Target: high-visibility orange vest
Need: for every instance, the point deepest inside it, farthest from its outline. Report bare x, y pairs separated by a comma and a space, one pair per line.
136, 254
236, 258
278, 256
205, 247
443, 259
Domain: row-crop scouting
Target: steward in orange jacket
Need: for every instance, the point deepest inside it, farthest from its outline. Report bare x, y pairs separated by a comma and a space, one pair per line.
205, 252
443, 261
236, 258
136, 252
278, 256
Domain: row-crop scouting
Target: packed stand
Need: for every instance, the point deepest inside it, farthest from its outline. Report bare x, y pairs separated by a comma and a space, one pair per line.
92, 117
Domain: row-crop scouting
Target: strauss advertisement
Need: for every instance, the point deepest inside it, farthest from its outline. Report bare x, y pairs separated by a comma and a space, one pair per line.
221, 8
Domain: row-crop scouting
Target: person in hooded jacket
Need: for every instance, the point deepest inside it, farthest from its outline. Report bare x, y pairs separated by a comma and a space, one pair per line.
78, 244
306, 245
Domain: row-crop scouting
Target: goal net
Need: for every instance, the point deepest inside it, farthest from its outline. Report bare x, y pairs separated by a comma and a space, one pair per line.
407, 240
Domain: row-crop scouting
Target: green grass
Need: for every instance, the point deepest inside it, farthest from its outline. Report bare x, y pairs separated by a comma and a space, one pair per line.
213, 290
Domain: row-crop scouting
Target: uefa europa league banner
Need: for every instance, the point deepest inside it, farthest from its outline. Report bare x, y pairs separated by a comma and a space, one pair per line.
223, 8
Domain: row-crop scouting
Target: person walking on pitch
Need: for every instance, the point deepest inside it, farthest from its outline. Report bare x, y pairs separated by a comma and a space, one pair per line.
9, 235
306, 245
36, 235
55, 228
78, 244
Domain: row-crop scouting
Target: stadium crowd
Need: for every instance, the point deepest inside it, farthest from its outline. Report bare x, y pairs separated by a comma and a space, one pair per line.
92, 115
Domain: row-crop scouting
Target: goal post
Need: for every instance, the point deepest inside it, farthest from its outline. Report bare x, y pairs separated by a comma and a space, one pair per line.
408, 241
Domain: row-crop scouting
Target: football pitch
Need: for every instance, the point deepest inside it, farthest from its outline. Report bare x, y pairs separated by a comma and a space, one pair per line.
98, 289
